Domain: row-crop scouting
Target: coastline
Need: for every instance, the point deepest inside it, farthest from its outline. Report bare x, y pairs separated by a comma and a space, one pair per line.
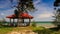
46, 25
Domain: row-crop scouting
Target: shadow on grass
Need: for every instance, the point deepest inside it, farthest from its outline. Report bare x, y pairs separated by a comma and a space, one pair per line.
7, 27
55, 29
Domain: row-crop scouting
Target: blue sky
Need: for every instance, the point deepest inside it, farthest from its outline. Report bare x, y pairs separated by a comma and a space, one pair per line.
44, 10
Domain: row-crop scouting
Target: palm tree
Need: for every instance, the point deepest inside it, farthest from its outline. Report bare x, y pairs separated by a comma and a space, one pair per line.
23, 6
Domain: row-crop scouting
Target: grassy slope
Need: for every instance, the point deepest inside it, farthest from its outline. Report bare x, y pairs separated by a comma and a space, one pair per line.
5, 30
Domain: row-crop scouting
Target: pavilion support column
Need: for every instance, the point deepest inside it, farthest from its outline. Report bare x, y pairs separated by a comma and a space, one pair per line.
18, 22
23, 20
13, 21
23, 23
10, 20
29, 21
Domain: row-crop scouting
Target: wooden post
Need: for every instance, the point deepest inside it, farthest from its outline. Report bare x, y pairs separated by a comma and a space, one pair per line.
10, 20
23, 20
13, 20
29, 21
17, 21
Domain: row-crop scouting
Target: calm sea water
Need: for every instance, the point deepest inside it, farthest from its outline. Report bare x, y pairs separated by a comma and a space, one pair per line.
44, 24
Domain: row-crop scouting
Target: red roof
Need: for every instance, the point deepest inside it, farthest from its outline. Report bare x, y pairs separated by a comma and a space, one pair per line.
22, 16
11, 16
25, 15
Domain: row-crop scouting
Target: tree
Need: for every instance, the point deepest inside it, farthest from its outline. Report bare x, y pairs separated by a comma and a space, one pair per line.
16, 13
57, 3
57, 18
23, 6
57, 13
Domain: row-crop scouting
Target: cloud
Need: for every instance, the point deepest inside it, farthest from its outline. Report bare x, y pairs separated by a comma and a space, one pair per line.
2, 13
5, 13
45, 15
44, 12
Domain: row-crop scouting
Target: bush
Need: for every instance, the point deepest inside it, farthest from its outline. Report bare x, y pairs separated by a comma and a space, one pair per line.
42, 30
34, 24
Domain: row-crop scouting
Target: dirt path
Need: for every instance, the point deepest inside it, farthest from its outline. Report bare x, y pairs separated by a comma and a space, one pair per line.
22, 30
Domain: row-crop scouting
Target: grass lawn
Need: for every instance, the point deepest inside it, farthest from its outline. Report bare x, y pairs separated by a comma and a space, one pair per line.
5, 30
39, 30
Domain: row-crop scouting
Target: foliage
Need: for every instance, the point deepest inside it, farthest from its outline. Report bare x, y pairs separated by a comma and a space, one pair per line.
25, 5
56, 3
34, 24
37, 28
42, 30
57, 13
16, 13
57, 18
2, 21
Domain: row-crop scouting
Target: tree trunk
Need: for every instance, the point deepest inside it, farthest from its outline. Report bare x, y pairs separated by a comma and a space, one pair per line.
20, 21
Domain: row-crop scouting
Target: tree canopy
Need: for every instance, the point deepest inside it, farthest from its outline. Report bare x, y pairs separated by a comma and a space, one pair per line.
57, 3
25, 4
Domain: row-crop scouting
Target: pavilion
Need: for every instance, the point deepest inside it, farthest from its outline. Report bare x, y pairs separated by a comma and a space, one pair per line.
21, 16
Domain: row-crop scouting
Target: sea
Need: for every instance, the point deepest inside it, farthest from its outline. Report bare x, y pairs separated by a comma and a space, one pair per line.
46, 25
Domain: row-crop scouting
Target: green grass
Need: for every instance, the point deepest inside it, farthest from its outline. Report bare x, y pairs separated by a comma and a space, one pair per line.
39, 30
5, 30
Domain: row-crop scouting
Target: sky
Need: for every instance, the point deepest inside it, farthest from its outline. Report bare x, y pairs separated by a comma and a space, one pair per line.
44, 10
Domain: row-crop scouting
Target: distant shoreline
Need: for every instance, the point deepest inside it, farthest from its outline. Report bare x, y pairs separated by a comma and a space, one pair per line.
46, 25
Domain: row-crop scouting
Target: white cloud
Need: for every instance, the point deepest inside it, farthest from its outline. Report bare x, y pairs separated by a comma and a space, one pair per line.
5, 13
44, 11
45, 15
2, 13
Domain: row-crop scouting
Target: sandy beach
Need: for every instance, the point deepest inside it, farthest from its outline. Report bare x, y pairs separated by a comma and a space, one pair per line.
47, 25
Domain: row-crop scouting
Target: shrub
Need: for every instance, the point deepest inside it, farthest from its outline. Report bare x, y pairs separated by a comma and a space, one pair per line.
42, 30
34, 24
